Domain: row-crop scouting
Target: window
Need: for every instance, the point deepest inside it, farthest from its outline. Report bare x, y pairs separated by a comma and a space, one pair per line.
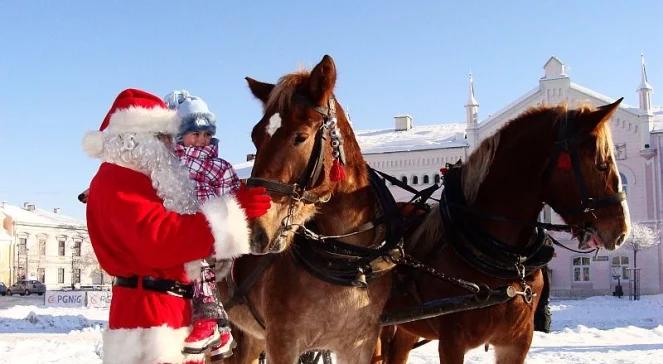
415, 180
22, 245
60, 275
426, 179
77, 276
437, 179
61, 248
41, 275
42, 246
624, 180
620, 267
581, 269
77, 249
404, 179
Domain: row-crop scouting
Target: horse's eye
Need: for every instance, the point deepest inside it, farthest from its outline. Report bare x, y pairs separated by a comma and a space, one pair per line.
603, 166
300, 138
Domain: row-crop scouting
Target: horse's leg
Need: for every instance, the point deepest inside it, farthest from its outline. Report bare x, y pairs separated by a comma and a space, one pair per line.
363, 351
511, 354
282, 347
450, 353
247, 351
397, 350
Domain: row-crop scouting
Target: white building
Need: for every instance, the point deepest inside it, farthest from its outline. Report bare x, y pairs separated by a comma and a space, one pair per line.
46, 245
416, 153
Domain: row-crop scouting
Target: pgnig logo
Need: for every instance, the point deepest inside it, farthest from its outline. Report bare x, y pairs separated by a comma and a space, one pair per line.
65, 299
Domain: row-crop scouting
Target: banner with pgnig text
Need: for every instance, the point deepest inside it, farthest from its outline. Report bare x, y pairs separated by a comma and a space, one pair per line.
92, 299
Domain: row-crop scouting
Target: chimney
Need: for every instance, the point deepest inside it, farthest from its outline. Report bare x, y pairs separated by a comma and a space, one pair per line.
4, 203
250, 157
402, 122
29, 206
56, 210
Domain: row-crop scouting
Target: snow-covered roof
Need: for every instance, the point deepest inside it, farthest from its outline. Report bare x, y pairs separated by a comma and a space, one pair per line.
511, 105
39, 217
422, 137
243, 169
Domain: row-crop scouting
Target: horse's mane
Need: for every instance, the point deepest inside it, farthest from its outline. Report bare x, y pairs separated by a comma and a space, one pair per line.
281, 96
478, 163
477, 166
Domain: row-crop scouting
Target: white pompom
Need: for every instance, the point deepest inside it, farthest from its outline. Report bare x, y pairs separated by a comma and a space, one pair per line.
93, 143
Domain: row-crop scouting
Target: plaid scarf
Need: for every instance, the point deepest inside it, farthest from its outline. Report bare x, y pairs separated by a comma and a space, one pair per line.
213, 175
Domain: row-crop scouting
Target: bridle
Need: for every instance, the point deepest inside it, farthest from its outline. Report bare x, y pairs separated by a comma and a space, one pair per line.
569, 145
300, 191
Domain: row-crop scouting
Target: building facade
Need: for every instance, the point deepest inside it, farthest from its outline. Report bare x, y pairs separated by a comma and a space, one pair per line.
416, 153
48, 246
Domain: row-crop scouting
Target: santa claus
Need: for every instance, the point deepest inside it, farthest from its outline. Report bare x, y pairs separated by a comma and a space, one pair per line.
145, 223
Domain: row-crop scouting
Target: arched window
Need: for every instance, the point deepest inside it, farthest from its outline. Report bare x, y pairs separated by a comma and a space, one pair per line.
437, 179
426, 179
624, 180
415, 180
404, 179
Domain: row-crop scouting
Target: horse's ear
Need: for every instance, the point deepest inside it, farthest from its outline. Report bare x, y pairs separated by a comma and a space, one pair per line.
600, 116
260, 90
322, 80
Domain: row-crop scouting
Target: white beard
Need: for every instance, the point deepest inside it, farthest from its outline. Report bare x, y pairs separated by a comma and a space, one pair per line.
145, 153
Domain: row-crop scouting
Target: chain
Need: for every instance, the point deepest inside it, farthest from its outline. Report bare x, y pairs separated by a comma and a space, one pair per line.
527, 292
410, 261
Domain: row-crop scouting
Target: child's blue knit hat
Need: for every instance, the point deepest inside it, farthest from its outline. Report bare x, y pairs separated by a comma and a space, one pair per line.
192, 111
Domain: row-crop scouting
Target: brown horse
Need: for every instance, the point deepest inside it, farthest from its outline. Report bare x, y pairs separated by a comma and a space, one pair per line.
288, 310
563, 158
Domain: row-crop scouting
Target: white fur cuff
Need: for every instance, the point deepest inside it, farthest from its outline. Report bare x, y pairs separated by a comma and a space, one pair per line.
229, 227
93, 144
193, 269
160, 344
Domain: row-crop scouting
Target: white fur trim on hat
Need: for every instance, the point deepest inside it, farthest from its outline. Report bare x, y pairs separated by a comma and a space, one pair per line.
93, 144
152, 345
229, 226
144, 120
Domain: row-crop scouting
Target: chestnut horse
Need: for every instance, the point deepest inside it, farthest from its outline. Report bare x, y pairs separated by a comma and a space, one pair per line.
288, 311
487, 220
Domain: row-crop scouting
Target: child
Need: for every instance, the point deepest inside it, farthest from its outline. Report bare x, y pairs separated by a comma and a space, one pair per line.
198, 151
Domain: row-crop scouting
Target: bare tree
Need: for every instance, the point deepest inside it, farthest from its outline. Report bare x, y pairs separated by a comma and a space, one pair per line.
641, 238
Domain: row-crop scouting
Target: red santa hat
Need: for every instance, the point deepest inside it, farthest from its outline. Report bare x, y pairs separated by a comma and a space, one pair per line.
133, 111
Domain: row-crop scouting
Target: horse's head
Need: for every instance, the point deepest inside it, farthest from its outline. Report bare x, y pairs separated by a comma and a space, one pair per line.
297, 140
583, 184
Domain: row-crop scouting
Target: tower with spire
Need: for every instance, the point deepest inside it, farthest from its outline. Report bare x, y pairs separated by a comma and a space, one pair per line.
646, 112
472, 116
645, 89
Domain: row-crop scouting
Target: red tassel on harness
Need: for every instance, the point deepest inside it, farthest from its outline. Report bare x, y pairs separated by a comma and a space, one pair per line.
337, 172
564, 161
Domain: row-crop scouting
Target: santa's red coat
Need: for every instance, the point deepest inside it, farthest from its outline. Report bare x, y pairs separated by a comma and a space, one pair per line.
132, 233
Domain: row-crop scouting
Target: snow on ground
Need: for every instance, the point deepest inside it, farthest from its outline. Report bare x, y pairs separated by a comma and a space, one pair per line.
593, 330
601, 329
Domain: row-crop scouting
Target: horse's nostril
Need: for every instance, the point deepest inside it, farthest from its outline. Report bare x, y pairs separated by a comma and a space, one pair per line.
620, 239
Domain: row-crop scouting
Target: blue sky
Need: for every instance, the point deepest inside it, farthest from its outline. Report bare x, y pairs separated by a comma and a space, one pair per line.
62, 63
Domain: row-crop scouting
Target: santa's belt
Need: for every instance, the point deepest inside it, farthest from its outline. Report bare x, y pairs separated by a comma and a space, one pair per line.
167, 286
